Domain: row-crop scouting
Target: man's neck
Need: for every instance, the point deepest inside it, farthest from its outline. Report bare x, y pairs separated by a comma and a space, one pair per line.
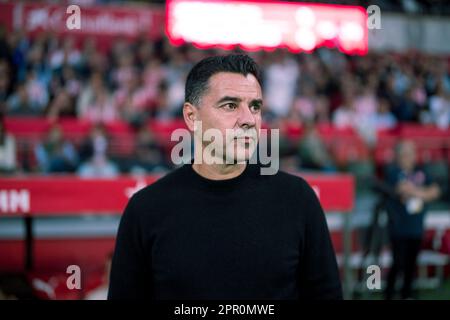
219, 171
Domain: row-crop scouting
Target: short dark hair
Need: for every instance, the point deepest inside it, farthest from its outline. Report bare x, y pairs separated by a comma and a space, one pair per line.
198, 77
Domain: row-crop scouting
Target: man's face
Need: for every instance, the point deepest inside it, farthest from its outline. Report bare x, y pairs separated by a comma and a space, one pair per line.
406, 156
232, 103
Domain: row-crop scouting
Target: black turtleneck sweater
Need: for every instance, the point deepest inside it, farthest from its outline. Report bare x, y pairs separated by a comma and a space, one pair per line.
249, 237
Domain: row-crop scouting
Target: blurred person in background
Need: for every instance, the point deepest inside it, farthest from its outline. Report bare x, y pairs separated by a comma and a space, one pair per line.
407, 110
345, 115
176, 73
8, 156
94, 61
94, 154
66, 54
69, 81
322, 109
440, 107
365, 105
280, 83
98, 166
154, 74
305, 103
96, 103
56, 154
406, 210
149, 155
125, 70
61, 106
5, 83
161, 110
132, 100
37, 91
19, 104
384, 119
35, 59
312, 151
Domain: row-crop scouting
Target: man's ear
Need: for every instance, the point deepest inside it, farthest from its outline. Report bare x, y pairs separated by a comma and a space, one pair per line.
190, 114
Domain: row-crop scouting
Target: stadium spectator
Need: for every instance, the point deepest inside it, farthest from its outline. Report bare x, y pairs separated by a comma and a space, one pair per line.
313, 152
322, 109
96, 103
62, 105
176, 72
95, 142
365, 106
345, 116
19, 103
162, 110
407, 110
412, 188
384, 119
99, 166
280, 81
8, 157
35, 59
66, 54
69, 81
132, 100
94, 154
440, 107
37, 91
305, 103
148, 155
56, 154
154, 74
5, 83
125, 71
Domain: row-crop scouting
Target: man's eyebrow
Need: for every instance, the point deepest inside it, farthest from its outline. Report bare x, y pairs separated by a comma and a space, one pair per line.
229, 98
256, 102
236, 99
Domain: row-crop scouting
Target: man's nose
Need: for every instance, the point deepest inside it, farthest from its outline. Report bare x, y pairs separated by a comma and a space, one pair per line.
246, 118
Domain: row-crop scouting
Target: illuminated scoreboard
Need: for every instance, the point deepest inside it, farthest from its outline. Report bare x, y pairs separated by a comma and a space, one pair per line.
255, 25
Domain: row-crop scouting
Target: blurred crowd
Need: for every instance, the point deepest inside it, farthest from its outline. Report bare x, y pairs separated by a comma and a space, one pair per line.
142, 80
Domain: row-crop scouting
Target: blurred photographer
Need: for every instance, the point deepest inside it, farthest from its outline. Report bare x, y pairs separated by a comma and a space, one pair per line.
413, 189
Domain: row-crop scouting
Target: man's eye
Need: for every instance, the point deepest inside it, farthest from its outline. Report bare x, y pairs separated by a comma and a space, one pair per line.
255, 108
230, 106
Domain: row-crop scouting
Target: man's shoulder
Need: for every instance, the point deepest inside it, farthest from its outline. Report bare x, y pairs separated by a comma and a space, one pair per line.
159, 189
295, 191
288, 181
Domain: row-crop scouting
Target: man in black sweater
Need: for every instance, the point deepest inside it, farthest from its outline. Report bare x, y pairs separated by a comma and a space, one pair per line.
219, 229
